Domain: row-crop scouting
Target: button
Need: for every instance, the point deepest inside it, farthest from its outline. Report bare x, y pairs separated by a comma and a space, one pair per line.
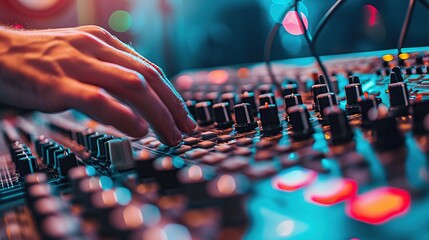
206, 144
379, 205
204, 113
27, 165
196, 153
166, 169
316, 90
144, 162
93, 144
264, 155
331, 191
267, 98
260, 171
244, 141
223, 148
387, 134
222, 116
264, 144
180, 149
398, 74
154, 144
121, 154
242, 151
294, 179
208, 135
326, 100
292, 100
340, 130
224, 138
301, 125
213, 158
270, 122
190, 141
194, 180
249, 98
234, 164
101, 147
244, 121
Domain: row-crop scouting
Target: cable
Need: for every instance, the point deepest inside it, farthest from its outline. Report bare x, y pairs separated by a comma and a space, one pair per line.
326, 18
424, 3
268, 46
311, 46
406, 24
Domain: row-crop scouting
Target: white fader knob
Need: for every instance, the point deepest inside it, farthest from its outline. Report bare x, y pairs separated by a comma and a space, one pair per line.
121, 154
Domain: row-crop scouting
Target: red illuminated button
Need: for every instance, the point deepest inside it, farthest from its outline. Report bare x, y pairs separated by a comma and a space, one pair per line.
379, 205
294, 179
331, 192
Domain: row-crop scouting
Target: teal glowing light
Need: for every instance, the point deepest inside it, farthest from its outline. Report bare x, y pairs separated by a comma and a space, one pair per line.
120, 21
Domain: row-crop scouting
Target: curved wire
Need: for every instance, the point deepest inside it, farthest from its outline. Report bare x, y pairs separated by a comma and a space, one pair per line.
406, 24
326, 18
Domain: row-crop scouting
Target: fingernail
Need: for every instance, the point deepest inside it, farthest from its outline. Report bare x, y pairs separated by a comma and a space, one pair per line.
177, 137
190, 122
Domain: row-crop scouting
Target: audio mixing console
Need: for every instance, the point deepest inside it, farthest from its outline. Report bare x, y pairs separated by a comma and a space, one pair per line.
302, 162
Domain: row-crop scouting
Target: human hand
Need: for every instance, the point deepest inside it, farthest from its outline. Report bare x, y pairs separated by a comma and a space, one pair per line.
88, 69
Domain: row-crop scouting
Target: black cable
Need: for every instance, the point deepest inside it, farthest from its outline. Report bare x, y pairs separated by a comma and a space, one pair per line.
269, 44
406, 24
326, 18
311, 46
424, 3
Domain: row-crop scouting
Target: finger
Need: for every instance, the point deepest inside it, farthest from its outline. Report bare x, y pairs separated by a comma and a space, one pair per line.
131, 87
95, 103
129, 58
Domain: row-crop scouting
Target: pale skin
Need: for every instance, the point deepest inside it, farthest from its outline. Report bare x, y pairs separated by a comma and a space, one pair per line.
88, 69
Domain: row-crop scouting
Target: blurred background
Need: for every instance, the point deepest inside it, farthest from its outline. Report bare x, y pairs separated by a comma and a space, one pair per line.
185, 34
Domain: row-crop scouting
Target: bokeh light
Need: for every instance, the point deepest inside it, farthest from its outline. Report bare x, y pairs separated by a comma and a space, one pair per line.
120, 21
292, 24
38, 5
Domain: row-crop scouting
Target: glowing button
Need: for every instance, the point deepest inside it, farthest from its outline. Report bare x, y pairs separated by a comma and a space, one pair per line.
404, 56
379, 205
331, 192
218, 76
294, 180
388, 57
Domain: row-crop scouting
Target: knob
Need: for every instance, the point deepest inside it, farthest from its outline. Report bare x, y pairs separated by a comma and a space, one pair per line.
399, 100
77, 174
190, 104
419, 59
419, 70
222, 115
70, 227
398, 73
387, 134
194, 180
44, 147
292, 100
316, 90
321, 79
212, 97
38, 144
166, 169
288, 89
270, 119
35, 178
299, 118
325, 100
249, 97
267, 98
121, 154
144, 162
341, 132
27, 165
354, 79
265, 88
353, 92
230, 98
93, 144
366, 103
244, 121
408, 70
66, 161
87, 188
49, 155
101, 147
204, 113
420, 111
56, 154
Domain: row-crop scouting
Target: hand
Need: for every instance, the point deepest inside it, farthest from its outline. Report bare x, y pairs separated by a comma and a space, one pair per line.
88, 69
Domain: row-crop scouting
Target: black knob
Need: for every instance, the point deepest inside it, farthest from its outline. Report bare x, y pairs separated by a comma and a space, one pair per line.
387, 134
399, 100
93, 144
66, 161
341, 132
353, 92
292, 100
267, 98
420, 111
299, 118
366, 103
102, 152
321, 79
419, 59
58, 153
204, 113
316, 90
288, 89
194, 181
212, 97
231, 98
44, 147
144, 162
249, 97
166, 169
354, 79
408, 70
27, 165
325, 100
244, 121
419, 70
35, 178
38, 144
398, 73
49, 155
265, 88
222, 115
78, 174
190, 104
270, 119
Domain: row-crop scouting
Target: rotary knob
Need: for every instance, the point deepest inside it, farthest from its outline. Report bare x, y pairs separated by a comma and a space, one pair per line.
354, 79
230, 98
325, 100
267, 98
292, 100
204, 113
353, 92
420, 113
269, 119
299, 118
121, 154
166, 173
222, 115
244, 121
341, 132
288, 89
249, 97
399, 100
190, 104
366, 103
316, 90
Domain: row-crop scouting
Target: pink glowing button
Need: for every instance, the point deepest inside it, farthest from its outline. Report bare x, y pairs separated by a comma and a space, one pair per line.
292, 24
218, 76
379, 206
184, 82
294, 179
331, 192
